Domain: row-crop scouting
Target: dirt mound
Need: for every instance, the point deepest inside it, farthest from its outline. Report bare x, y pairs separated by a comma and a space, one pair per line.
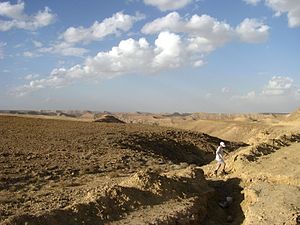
176, 146
87, 115
294, 116
108, 119
155, 196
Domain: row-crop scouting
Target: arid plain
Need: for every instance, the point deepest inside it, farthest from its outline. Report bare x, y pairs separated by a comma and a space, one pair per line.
140, 168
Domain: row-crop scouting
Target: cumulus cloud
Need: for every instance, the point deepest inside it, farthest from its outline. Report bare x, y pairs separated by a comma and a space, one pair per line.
179, 42
16, 18
252, 31
165, 5
278, 85
277, 95
119, 22
204, 26
168, 51
67, 44
290, 7
129, 57
206, 33
12, 11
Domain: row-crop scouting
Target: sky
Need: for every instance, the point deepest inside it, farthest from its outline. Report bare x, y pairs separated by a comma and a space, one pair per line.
222, 56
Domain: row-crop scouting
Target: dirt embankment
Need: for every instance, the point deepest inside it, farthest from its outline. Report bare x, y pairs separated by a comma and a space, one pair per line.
143, 198
269, 174
272, 182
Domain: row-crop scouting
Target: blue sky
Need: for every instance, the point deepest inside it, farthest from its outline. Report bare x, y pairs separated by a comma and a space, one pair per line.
150, 55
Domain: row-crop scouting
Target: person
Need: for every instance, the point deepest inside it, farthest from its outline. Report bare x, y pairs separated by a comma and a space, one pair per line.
219, 157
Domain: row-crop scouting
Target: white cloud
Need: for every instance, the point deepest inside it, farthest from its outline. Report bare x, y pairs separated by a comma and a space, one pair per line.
2, 45
252, 31
65, 49
60, 48
278, 95
205, 33
251, 95
204, 26
169, 51
68, 40
252, 2
58, 78
165, 5
198, 63
172, 22
129, 57
16, 18
279, 85
114, 25
132, 56
225, 90
31, 76
30, 54
12, 11
131, 1
37, 44
291, 7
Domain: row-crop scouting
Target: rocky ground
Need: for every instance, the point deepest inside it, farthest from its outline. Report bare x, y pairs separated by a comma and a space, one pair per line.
68, 172
109, 172
269, 174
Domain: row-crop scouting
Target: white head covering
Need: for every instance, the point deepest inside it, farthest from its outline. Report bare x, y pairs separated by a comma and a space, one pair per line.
222, 144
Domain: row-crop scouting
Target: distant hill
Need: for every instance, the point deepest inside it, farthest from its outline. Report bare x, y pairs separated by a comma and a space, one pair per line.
294, 116
108, 119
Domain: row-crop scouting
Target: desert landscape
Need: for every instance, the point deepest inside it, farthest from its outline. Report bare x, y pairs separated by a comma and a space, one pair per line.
84, 167
118, 112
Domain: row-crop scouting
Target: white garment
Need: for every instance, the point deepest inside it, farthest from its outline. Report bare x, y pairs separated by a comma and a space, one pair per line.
219, 155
